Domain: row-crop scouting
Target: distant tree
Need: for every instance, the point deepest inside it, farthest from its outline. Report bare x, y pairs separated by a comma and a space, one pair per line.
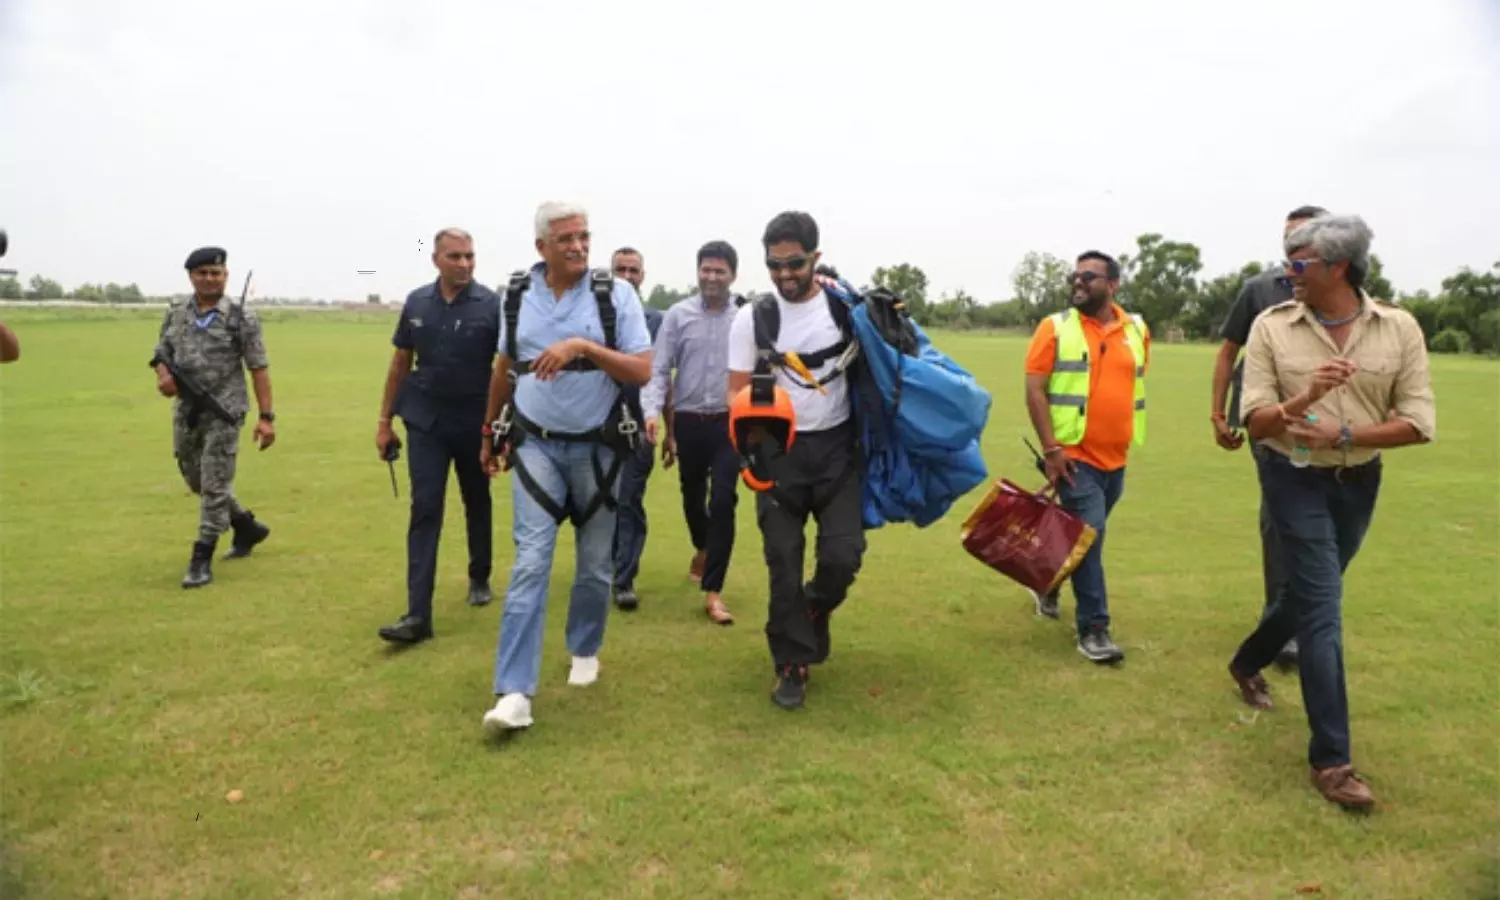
662, 297
10, 289
1376, 284
909, 283
1160, 279
45, 289
1214, 301
1039, 287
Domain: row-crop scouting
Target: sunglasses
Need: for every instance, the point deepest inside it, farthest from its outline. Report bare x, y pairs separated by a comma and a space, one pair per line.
1298, 266
1085, 277
795, 264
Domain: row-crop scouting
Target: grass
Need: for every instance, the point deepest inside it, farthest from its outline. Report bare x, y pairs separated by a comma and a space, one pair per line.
954, 746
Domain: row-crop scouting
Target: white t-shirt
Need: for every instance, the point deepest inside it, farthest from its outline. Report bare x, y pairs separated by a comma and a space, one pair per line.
806, 328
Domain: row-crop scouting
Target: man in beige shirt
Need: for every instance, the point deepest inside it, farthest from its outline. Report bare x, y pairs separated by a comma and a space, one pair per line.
1332, 378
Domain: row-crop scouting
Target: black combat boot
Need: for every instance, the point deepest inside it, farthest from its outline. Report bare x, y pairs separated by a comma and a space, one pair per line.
200, 569
247, 533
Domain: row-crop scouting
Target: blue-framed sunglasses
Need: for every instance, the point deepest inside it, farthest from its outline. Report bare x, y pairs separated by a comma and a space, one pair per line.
1298, 266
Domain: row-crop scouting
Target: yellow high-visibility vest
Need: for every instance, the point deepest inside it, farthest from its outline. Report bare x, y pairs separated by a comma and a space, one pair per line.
1068, 387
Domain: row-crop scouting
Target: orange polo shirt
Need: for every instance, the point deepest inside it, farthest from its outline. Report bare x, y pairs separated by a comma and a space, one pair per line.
1110, 415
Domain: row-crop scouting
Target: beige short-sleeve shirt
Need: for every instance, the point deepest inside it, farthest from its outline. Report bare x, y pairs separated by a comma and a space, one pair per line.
1287, 344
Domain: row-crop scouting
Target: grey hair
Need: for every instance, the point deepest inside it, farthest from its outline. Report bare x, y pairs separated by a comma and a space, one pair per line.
451, 232
553, 211
1336, 239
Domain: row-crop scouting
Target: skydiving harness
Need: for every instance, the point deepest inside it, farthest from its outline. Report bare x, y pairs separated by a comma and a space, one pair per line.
621, 430
799, 368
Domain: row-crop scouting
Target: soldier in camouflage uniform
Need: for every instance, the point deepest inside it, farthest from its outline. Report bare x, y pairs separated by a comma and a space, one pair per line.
206, 340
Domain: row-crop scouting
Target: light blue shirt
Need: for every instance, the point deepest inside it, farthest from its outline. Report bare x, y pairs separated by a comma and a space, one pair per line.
572, 401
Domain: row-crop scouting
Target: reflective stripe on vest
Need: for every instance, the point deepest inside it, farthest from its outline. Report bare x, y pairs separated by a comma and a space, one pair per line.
1068, 388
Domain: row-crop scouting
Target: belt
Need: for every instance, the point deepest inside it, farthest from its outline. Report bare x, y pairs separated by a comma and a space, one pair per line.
530, 427
1341, 474
700, 415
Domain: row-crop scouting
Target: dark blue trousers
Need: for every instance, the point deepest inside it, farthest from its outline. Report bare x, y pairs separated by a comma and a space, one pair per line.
630, 519
1320, 516
429, 454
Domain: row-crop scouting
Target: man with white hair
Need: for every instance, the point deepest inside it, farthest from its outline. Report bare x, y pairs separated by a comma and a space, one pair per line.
1332, 378
570, 338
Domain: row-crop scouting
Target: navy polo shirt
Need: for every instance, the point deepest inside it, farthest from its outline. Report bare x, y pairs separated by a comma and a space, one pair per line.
454, 349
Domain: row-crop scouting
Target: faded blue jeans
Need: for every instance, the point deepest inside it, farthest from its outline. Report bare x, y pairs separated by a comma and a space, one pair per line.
1091, 497
562, 469
1321, 516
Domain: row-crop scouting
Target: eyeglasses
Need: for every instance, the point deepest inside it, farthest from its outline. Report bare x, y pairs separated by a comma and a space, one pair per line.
1085, 277
796, 264
1298, 266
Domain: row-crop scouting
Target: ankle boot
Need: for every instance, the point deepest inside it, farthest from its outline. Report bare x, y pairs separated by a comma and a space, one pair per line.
247, 533
200, 567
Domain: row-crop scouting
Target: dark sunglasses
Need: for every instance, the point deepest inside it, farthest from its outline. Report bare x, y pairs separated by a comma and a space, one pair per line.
1298, 266
796, 264
1085, 277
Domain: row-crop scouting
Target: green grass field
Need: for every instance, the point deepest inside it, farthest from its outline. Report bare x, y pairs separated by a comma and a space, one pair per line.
954, 746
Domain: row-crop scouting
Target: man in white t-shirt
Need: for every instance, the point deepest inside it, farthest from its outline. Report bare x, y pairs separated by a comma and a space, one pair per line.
821, 474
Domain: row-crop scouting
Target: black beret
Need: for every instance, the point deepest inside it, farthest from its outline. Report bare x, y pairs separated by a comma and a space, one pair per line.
206, 256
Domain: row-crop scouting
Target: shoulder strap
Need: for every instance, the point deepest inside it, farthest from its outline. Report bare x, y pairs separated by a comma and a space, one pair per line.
840, 312
767, 318
603, 282
519, 281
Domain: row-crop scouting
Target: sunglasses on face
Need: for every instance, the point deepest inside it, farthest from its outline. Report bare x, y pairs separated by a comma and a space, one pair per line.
795, 264
1298, 266
1085, 277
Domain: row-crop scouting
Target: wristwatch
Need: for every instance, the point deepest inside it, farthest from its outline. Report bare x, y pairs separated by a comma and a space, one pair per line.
268, 417
1346, 438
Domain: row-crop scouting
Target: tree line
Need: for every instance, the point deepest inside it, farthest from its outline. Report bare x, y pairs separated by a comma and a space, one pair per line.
1161, 279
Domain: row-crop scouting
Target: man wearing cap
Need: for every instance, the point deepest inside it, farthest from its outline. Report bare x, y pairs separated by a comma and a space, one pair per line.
694, 342
203, 349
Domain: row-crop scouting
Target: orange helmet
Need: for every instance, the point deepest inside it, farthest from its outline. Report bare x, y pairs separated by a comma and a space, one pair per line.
762, 427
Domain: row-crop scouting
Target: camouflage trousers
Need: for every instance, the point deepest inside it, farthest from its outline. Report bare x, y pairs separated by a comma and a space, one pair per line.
206, 456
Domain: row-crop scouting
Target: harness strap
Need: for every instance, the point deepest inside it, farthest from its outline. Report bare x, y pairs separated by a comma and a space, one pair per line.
604, 480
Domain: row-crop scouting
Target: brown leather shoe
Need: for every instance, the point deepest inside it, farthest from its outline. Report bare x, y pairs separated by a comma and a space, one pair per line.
716, 610
695, 569
1341, 785
1253, 689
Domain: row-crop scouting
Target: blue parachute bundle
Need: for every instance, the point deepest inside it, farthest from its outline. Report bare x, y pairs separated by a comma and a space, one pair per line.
920, 415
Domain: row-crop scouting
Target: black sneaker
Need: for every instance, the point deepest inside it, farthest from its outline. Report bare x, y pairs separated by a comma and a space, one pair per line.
791, 687
1046, 604
626, 600
1097, 646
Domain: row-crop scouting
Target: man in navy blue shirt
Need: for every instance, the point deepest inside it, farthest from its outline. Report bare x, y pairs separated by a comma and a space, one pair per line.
1258, 294
630, 526
450, 327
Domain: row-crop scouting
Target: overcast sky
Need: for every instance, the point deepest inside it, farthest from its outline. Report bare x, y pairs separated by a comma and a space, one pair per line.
314, 138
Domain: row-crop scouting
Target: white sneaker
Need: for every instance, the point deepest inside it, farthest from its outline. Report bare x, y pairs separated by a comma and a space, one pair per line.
585, 670
511, 711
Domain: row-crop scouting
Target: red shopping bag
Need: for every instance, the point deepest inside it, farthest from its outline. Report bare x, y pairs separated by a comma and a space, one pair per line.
1027, 537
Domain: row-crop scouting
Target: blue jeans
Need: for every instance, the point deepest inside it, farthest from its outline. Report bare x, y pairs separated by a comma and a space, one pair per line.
630, 528
1321, 518
1091, 497
560, 469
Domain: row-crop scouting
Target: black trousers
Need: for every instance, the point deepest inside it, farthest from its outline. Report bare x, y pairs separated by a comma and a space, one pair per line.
709, 471
1273, 569
820, 477
428, 456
